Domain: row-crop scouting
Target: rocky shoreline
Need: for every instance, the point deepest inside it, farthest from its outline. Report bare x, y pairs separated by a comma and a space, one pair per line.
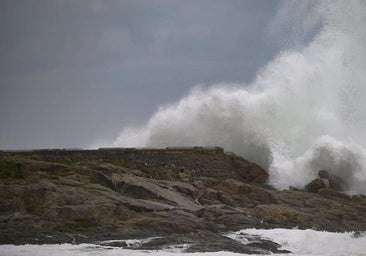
188, 196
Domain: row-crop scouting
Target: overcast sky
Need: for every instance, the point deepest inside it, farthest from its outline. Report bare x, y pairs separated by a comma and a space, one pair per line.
74, 72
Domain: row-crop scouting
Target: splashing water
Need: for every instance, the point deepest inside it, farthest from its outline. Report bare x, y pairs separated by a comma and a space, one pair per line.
305, 111
299, 242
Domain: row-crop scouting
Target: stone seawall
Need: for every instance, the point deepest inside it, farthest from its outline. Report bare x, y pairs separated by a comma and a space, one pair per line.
105, 153
159, 163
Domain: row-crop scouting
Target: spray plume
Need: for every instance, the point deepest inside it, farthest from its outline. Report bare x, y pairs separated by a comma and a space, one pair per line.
305, 111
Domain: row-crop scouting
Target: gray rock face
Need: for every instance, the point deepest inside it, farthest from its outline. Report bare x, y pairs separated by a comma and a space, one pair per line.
74, 200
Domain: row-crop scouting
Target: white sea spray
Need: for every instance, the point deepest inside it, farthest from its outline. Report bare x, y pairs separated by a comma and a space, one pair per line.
305, 111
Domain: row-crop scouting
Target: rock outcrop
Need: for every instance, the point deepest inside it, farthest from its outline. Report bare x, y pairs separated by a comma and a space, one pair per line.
334, 182
326, 180
177, 195
315, 185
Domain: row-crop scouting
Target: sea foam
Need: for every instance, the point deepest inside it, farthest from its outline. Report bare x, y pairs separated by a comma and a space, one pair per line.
299, 242
305, 111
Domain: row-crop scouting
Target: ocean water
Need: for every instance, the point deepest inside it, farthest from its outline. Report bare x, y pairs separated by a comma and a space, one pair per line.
299, 242
305, 111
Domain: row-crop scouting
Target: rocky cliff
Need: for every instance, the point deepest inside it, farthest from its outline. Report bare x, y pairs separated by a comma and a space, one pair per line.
180, 195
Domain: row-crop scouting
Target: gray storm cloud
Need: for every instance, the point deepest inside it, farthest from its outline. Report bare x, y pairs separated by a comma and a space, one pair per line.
75, 72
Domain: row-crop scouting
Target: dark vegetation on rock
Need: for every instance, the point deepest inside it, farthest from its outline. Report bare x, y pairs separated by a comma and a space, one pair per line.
180, 195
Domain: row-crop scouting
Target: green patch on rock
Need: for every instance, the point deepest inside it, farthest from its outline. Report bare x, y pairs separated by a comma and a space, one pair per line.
10, 170
65, 172
117, 162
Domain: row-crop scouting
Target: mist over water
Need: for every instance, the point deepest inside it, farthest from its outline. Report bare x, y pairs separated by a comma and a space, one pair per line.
305, 111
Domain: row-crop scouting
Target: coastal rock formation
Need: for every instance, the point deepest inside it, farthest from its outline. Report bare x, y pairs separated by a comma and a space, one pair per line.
334, 182
186, 194
315, 185
326, 180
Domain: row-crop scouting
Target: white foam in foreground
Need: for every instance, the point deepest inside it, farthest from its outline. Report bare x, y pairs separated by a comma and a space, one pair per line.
311, 242
300, 242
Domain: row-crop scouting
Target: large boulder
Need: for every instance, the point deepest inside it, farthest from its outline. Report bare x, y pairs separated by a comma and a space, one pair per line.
335, 182
252, 173
326, 180
315, 185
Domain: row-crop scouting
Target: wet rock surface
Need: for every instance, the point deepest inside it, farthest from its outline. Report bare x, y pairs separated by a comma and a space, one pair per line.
326, 180
191, 197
